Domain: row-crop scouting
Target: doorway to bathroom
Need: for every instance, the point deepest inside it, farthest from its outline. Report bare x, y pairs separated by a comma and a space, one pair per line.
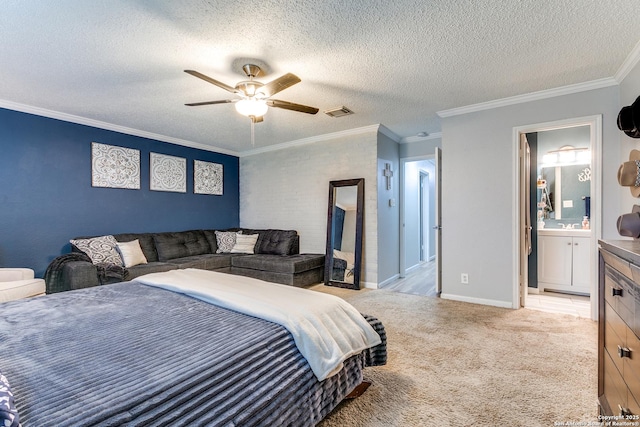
557, 235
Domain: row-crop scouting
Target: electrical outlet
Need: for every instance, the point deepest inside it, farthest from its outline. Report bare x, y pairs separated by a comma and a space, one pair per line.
464, 278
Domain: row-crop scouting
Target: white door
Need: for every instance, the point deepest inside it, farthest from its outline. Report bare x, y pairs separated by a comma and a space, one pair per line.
581, 263
525, 217
438, 219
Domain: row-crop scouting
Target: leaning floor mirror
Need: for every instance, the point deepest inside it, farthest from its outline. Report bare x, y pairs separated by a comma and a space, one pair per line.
343, 260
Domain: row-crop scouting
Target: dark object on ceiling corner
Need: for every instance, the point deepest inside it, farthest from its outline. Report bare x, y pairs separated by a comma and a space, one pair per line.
629, 119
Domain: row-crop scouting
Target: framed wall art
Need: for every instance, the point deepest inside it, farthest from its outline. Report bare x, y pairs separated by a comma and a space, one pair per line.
207, 178
114, 167
168, 173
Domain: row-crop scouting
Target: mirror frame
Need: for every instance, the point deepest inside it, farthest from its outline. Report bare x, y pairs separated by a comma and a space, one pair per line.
357, 266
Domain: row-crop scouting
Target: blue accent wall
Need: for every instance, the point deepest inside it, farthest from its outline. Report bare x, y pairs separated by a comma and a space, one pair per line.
46, 197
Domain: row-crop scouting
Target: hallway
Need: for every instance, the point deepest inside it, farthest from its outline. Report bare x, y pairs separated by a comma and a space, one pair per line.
420, 281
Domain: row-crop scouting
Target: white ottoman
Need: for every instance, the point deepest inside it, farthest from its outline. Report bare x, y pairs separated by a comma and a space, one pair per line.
17, 283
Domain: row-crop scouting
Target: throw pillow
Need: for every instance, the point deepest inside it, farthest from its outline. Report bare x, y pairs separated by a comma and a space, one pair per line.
225, 240
245, 243
131, 253
100, 249
8, 413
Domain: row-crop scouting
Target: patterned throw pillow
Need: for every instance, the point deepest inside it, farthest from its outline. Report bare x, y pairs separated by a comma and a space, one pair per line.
245, 243
100, 249
226, 240
8, 413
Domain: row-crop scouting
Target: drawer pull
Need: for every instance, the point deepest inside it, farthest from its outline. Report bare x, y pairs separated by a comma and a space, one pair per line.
624, 352
624, 411
615, 292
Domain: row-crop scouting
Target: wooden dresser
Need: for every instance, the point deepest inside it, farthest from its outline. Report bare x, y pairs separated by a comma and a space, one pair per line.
619, 328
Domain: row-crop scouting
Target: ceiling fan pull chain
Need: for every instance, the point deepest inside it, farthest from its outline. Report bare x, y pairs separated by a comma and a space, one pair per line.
253, 133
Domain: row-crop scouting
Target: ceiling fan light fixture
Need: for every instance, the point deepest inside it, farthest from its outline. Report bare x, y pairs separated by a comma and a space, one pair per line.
252, 107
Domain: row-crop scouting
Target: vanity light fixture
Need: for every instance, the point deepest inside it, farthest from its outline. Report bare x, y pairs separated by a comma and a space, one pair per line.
567, 155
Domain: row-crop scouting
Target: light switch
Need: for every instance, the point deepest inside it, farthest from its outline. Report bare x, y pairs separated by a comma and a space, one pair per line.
567, 203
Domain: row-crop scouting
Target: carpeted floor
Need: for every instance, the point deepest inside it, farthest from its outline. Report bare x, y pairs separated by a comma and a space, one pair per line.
458, 364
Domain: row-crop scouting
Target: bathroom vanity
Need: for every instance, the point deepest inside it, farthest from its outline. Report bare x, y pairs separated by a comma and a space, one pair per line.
563, 260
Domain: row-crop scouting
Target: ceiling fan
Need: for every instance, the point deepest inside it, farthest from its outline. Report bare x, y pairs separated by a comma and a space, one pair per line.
255, 97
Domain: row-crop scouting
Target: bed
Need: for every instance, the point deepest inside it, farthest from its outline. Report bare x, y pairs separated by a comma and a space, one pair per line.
133, 354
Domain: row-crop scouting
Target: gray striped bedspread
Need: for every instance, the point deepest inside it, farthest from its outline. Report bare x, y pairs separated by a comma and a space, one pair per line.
131, 355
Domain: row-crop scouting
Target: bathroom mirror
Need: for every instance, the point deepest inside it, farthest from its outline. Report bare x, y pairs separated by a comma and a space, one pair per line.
569, 186
343, 260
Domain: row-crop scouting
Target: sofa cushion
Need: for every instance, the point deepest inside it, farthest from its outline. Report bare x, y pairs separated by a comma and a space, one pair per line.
181, 244
100, 249
147, 244
210, 235
152, 267
274, 242
203, 262
291, 264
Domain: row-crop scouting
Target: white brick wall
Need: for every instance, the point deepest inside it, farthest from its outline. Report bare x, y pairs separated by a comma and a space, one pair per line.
289, 189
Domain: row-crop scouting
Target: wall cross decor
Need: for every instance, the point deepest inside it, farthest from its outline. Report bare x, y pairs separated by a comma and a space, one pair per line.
388, 174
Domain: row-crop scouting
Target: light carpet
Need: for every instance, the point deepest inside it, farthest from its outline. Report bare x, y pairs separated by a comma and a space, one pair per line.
459, 364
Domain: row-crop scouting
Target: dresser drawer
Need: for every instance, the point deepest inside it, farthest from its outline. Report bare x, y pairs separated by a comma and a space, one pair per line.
618, 263
615, 389
631, 370
619, 291
614, 336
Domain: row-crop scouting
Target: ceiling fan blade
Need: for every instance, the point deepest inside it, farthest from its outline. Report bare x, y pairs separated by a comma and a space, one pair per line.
224, 101
291, 106
281, 83
212, 81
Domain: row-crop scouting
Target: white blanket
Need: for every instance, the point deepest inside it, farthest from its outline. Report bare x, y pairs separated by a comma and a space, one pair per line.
326, 329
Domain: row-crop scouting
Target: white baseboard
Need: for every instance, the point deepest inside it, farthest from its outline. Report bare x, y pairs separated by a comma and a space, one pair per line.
385, 282
481, 301
413, 267
370, 285
531, 290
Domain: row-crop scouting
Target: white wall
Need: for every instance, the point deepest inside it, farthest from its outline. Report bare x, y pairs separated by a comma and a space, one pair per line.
289, 189
478, 201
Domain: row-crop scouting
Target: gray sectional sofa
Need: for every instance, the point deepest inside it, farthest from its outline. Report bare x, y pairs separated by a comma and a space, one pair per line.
276, 258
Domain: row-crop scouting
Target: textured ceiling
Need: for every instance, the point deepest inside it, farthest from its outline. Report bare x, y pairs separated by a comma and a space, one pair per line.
394, 63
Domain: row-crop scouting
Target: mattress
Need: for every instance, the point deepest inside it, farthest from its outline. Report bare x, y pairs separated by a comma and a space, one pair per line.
132, 355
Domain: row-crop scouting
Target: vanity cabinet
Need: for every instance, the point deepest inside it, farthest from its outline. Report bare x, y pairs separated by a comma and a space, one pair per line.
564, 262
619, 329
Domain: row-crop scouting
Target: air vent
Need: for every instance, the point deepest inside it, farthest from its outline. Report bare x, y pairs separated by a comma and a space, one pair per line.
339, 112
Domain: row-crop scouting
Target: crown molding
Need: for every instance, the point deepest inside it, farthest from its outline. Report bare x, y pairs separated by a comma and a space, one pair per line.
10, 105
389, 133
628, 64
313, 139
411, 139
533, 96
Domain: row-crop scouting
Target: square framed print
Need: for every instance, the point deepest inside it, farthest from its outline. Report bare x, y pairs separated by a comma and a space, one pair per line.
114, 167
168, 173
207, 178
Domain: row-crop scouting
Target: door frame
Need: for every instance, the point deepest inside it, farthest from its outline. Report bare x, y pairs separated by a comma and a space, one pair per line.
424, 215
403, 162
595, 125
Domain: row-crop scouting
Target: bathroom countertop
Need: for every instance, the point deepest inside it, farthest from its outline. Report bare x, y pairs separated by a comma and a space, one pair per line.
575, 232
